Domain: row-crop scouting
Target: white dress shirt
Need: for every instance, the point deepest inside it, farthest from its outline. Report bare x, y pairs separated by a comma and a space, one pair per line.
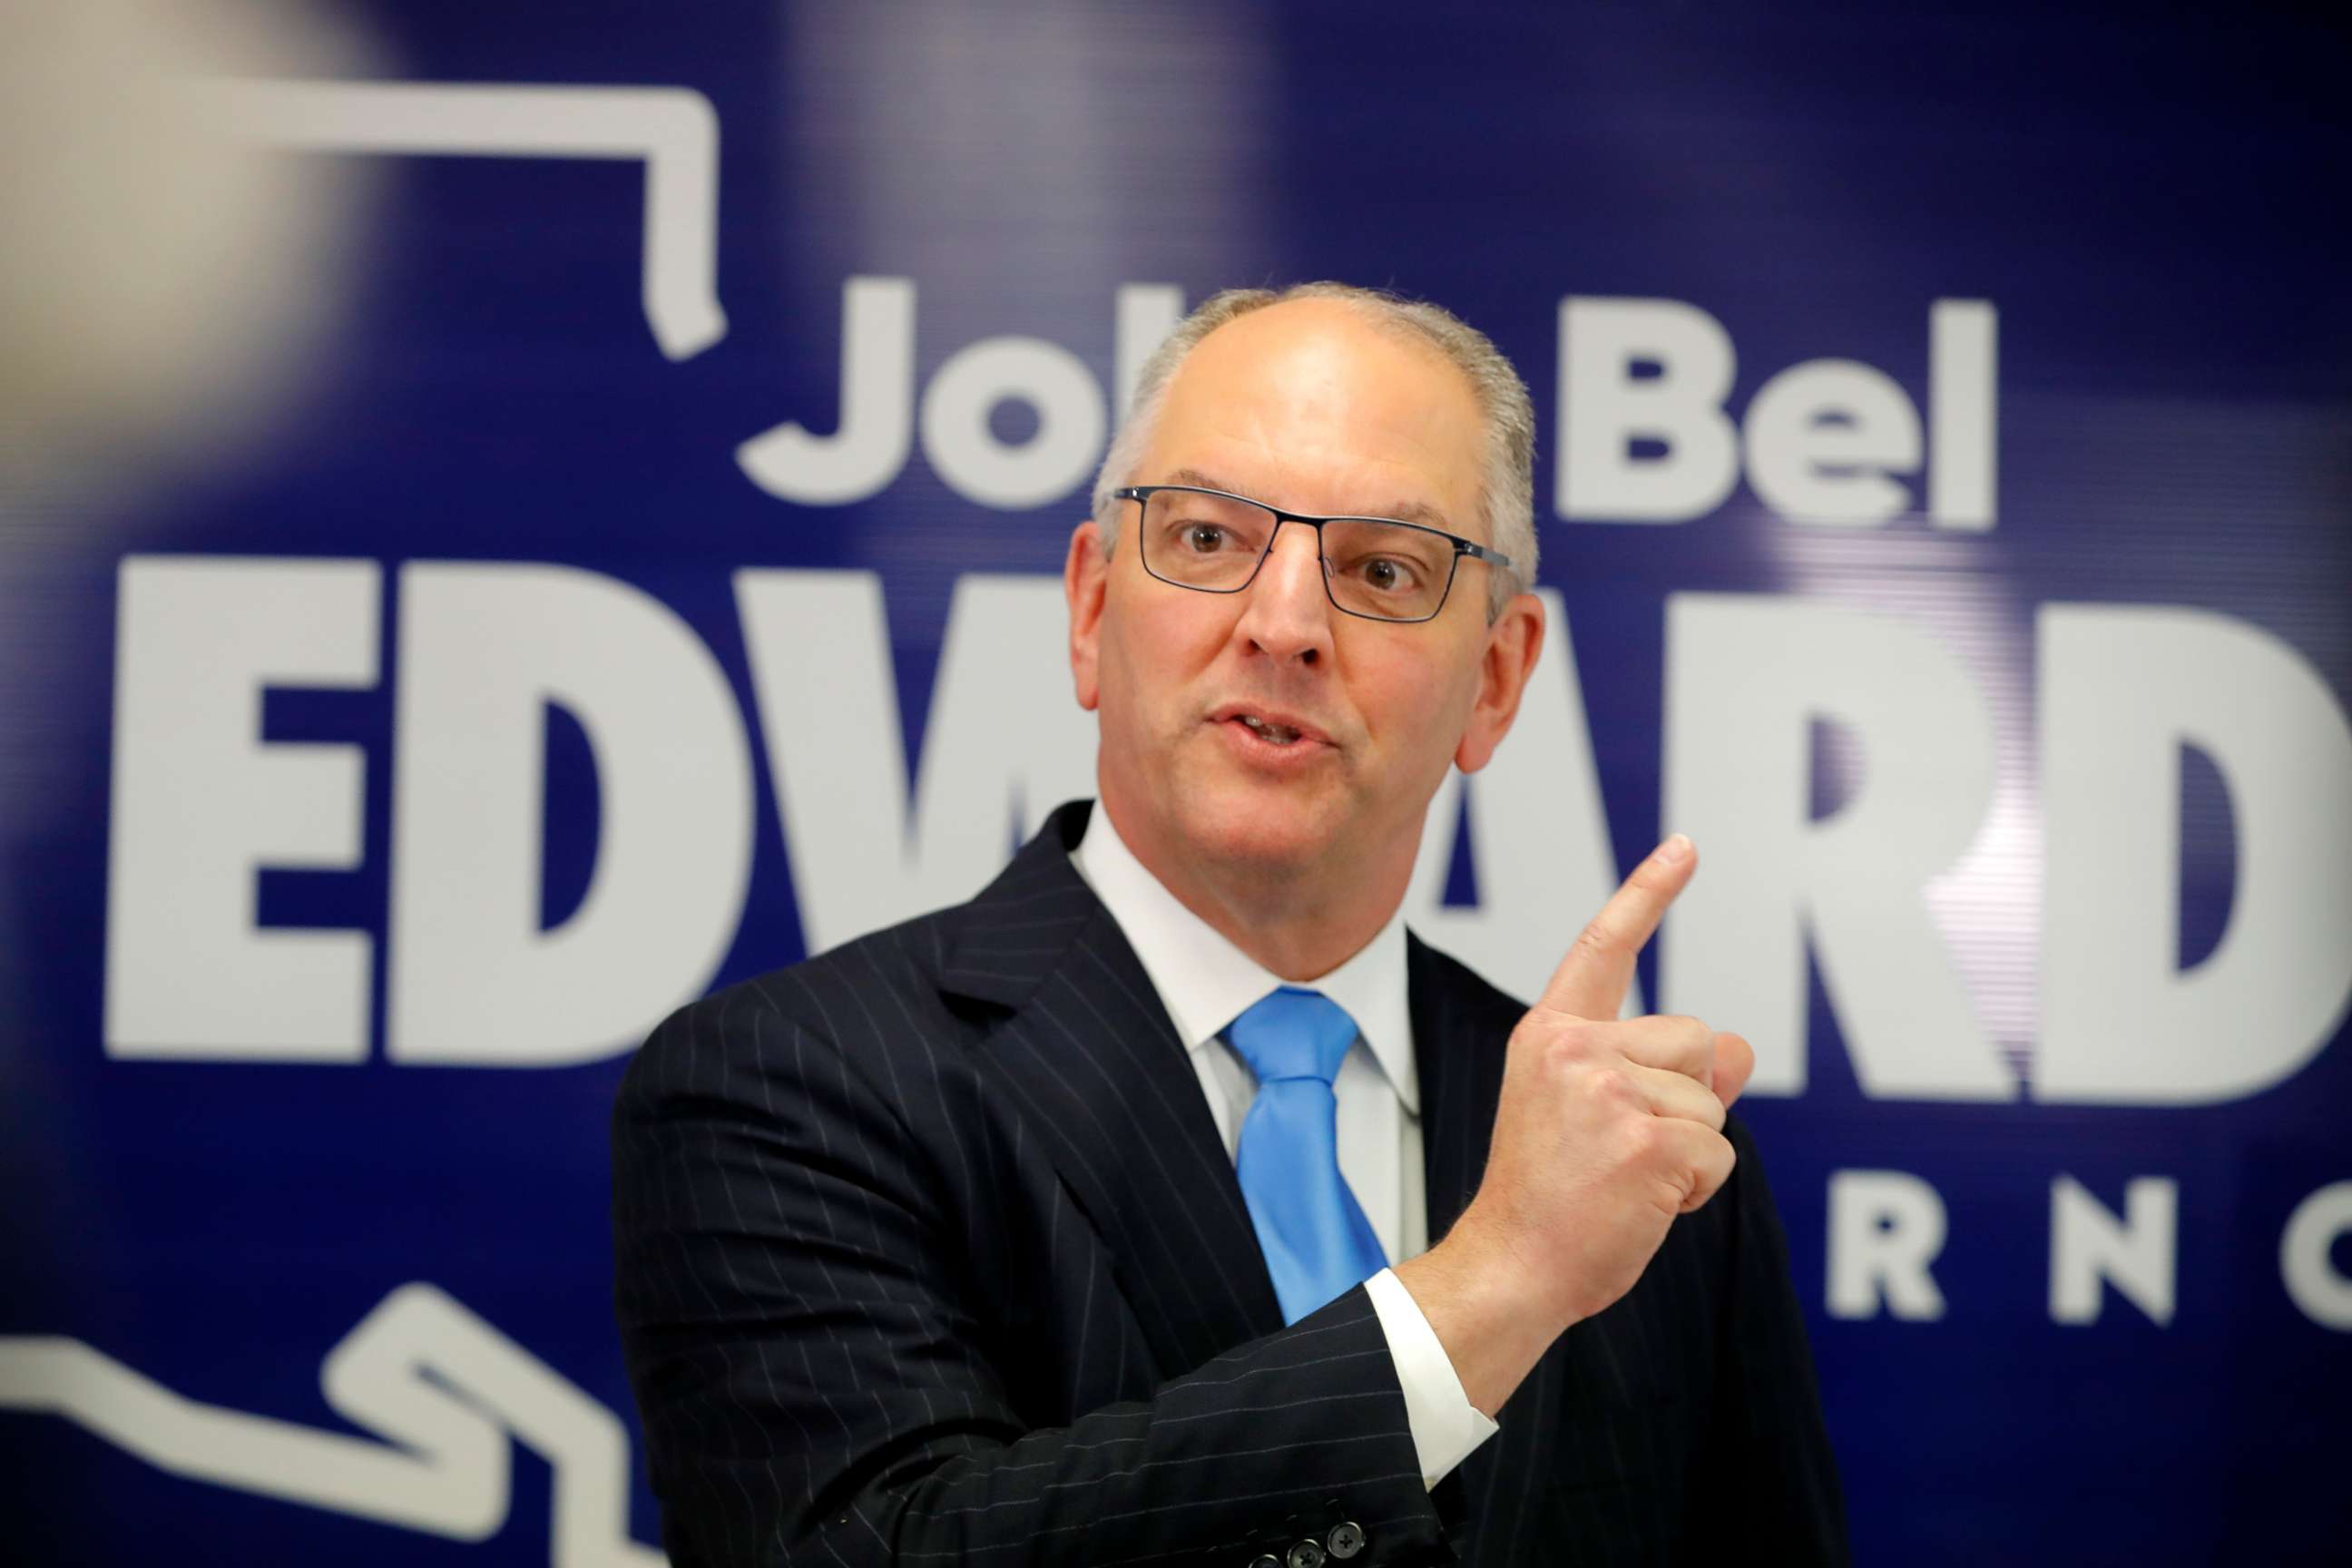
1205, 983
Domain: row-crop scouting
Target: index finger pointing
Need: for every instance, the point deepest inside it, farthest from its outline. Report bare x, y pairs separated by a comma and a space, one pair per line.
1592, 978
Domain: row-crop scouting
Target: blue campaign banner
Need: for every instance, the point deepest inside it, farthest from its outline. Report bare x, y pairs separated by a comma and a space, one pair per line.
520, 515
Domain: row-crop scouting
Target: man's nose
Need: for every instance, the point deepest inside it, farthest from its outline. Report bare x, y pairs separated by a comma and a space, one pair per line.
1288, 614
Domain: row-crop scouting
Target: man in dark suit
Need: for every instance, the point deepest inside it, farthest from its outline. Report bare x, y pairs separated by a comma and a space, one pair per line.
1089, 1222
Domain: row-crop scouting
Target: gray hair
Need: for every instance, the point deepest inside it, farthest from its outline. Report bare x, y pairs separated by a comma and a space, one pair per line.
1508, 489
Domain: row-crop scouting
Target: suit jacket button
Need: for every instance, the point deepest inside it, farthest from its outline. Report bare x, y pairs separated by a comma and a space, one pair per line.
1265, 1560
1345, 1539
1306, 1554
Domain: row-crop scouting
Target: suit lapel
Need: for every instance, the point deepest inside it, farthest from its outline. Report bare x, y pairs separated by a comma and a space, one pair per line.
1082, 1046
1086, 1052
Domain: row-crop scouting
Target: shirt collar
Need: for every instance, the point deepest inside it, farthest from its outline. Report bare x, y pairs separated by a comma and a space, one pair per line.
1205, 982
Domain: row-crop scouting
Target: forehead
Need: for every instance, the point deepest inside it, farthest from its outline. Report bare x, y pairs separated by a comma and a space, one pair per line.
1316, 406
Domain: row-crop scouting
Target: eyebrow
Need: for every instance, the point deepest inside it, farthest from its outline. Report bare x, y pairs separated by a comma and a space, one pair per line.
1403, 511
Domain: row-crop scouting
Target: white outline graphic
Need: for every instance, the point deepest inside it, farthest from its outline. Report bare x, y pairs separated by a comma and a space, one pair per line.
443, 1389
673, 129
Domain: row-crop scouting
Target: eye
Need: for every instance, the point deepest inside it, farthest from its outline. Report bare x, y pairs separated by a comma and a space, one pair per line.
1386, 573
1204, 537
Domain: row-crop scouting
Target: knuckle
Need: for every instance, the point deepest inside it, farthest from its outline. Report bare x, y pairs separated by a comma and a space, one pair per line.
1679, 1193
1644, 1143
1542, 1034
1574, 1042
1610, 1084
1708, 1174
1595, 941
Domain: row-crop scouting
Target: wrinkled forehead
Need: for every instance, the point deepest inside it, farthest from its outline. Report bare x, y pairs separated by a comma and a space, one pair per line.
1316, 406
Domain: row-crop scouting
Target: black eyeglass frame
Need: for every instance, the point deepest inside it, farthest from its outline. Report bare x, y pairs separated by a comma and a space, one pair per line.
1142, 495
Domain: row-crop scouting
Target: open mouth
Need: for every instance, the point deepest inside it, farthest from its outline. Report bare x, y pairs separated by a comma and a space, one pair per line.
1280, 734
1270, 730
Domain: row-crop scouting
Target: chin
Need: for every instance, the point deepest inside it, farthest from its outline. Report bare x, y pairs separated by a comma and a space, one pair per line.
1276, 830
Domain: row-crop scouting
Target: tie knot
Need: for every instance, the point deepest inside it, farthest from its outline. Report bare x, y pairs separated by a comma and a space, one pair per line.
1293, 1033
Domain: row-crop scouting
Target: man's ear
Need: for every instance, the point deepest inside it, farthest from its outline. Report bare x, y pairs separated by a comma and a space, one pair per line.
1086, 577
1513, 642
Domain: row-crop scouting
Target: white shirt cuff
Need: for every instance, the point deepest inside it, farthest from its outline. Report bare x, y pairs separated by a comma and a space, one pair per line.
1446, 1425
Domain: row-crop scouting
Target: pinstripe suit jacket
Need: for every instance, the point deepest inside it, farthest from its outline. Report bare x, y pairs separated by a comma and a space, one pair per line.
930, 1253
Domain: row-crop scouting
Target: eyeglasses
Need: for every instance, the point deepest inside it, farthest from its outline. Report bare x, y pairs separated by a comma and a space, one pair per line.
1376, 567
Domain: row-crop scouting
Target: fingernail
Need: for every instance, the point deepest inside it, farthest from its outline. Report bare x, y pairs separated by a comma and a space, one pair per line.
1676, 849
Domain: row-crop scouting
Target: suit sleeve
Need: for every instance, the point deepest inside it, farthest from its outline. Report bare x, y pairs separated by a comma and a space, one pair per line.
815, 1391
1770, 1475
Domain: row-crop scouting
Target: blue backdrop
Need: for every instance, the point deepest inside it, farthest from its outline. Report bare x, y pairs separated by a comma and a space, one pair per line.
2026, 807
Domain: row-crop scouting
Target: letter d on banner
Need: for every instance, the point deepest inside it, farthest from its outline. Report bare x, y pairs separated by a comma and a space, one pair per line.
2123, 688
483, 648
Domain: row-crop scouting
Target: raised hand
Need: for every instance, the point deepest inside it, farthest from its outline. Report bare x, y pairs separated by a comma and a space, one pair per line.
1607, 1129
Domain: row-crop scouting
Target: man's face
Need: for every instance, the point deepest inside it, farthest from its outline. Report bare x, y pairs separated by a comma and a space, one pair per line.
1311, 407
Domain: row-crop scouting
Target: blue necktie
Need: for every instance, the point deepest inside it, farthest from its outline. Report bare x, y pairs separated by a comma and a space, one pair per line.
1316, 1241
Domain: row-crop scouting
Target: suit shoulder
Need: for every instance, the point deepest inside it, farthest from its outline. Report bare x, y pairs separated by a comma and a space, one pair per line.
832, 995
822, 1032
